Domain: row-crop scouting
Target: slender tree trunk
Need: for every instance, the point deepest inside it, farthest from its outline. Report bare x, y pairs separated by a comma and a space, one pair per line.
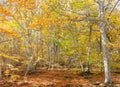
50, 55
41, 47
89, 50
55, 52
58, 54
104, 42
37, 45
100, 52
31, 66
36, 54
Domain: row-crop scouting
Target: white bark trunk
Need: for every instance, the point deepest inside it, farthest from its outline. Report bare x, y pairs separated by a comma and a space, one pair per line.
104, 43
89, 50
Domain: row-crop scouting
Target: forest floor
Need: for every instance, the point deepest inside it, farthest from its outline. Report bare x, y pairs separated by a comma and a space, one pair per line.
59, 78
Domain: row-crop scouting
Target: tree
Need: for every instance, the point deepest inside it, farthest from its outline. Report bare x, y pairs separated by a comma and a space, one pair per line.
102, 12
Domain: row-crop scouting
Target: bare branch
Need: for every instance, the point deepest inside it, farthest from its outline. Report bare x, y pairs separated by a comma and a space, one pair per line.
114, 7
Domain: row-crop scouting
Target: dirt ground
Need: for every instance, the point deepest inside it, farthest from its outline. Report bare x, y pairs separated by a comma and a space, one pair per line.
59, 78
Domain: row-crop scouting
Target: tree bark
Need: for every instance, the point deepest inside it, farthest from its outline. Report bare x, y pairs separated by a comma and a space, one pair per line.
50, 55
89, 50
104, 42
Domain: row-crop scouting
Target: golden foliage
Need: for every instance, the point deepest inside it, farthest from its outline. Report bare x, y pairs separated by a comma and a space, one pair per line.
4, 27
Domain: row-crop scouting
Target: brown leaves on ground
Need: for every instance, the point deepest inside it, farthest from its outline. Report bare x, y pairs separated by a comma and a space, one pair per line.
58, 78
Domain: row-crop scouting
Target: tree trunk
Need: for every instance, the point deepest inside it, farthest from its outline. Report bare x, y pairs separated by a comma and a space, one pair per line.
36, 54
31, 66
41, 48
104, 42
50, 55
87, 70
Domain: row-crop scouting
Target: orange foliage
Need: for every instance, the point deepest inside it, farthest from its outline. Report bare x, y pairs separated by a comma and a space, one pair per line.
10, 32
4, 11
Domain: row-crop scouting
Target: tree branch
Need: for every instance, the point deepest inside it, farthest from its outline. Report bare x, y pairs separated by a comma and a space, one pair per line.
113, 8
